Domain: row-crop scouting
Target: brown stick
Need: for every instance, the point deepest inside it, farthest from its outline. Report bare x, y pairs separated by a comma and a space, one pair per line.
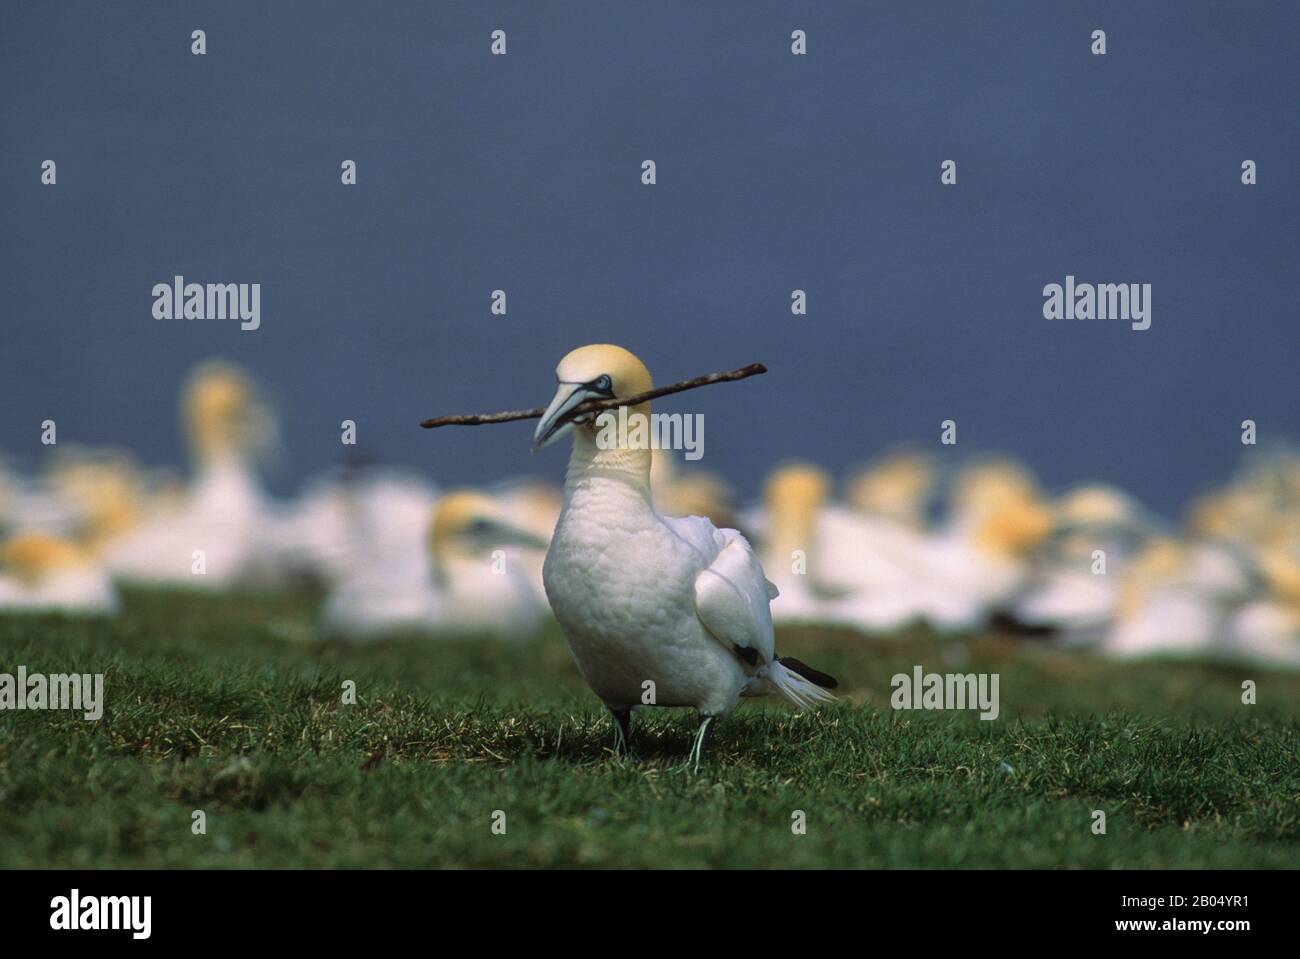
591, 406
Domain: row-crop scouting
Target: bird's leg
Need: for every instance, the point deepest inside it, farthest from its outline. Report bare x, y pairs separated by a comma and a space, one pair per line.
697, 748
622, 730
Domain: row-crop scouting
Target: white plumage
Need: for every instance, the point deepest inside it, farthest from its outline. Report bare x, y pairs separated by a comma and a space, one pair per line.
468, 576
218, 536
42, 573
656, 610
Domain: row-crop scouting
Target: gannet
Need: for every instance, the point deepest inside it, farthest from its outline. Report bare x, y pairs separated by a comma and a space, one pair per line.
60, 567
471, 579
984, 555
1069, 590
1177, 598
794, 552
817, 582
347, 517
837, 567
1063, 594
693, 492
109, 493
40, 572
477, 552
222, 524
532, 505
656, 610
1267, 627
30, 504
896, 487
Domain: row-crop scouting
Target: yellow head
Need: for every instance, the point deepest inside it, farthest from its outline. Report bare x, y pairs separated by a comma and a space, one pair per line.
796, 483
222, 415
1238, 513
1014, 529
1095, 505
794, 495
985, 487
455, 515
1162, 560
31, 557
467, 523
600, 371
999, 503
1281, 571
895, 487
108, 492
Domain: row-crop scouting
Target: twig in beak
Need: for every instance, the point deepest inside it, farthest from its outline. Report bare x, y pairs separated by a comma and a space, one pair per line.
592, 406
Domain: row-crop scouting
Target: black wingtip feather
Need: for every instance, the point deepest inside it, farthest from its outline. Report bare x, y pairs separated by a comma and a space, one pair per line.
816, 677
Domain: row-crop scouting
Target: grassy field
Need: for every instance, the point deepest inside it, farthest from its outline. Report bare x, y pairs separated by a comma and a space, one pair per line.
228, 705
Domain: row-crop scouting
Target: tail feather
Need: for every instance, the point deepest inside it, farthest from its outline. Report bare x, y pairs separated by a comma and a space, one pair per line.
814, 676
802, 692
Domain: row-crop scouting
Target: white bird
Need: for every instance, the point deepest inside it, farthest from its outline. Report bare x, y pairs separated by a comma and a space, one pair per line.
656, 610
984, 555
690, 492
1065, 596
533, 506
216, 537
836, 567
879, 573
1176, 598
40, 572
344, 521
1074, 586
29, 504
1267, 627
471, 579
895, 486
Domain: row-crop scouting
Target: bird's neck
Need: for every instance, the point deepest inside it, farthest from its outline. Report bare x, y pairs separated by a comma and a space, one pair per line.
219, 461
620, 469
448, 562
792, 526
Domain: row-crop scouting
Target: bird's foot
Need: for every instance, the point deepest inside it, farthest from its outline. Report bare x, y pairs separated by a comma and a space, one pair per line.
622, 730
692, 764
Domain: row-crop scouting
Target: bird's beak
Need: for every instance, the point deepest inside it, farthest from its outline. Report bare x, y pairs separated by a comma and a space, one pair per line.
518, 536
501, 532
554, 422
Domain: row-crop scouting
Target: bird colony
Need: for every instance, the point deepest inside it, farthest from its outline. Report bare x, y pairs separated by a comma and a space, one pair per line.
652, 570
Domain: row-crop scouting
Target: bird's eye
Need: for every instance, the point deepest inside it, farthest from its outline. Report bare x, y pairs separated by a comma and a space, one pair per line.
604, 383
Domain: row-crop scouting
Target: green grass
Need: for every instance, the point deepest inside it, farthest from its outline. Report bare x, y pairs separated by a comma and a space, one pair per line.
228, 705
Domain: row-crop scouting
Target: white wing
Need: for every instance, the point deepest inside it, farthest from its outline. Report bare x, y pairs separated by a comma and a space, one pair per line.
731, 592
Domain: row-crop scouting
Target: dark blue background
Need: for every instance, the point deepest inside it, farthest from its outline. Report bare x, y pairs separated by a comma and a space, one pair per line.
775, 172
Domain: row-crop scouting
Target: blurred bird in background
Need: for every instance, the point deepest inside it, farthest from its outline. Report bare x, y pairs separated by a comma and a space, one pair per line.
470, 580
212, 538
913, 541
